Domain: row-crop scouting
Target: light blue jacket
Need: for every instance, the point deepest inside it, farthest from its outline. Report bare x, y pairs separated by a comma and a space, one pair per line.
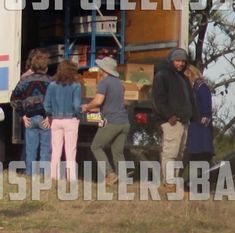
63, 101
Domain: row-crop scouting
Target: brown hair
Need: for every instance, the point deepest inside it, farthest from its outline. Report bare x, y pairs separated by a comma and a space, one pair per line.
32, 53
193, 73
40, 60
66, 72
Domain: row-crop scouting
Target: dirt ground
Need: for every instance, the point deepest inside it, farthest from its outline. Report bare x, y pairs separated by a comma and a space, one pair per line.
51, 215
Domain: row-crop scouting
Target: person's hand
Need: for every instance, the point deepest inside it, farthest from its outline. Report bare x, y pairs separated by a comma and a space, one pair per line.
172, 120
205, 121
27, 121
46, 123
84, 107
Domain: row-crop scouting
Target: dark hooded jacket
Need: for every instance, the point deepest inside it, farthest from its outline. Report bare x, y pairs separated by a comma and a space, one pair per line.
172, 95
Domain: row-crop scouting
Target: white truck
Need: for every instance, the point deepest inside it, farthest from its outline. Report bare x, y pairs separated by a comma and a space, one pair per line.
10, 58
138, 48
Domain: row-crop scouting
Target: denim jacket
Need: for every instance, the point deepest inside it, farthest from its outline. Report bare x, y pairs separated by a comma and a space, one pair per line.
63, 101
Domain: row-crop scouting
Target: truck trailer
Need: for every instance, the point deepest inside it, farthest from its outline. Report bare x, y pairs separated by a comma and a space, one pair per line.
140, 37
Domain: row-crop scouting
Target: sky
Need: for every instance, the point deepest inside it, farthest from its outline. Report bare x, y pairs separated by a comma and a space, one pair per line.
225, 102
218, 71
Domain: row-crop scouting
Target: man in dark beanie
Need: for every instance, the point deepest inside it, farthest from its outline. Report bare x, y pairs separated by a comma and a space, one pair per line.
174, 108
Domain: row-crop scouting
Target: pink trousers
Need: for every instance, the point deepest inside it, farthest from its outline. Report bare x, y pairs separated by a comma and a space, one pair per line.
64, 132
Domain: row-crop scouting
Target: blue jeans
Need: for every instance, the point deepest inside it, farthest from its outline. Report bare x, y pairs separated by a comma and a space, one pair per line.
37, 135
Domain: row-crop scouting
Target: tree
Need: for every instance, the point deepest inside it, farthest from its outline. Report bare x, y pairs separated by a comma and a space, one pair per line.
212, 36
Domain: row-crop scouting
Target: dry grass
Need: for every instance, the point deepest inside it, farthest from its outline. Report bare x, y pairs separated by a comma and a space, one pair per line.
50, 215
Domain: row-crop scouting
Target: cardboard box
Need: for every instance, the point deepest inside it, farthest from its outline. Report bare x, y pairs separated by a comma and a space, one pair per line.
101, 27
144, 92
138, 73
135, 91
104, 24
88, 19
89, 87
131, 91
92, 75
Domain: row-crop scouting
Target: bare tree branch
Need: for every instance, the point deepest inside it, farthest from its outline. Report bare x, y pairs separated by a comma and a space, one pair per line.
222, 83
226, 127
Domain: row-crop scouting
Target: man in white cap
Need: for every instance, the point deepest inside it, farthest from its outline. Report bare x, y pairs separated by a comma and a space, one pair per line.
174, 108
110, 98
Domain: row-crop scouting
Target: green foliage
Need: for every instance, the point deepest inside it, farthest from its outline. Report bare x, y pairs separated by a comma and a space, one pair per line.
144, 135
224, 145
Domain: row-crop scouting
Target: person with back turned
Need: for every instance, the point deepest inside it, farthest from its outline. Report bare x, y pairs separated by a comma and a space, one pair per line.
110, 99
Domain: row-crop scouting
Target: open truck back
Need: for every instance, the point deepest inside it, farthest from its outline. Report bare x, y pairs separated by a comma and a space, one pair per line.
141, 43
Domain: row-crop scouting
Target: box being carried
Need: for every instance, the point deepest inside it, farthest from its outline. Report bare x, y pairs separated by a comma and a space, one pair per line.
89, 85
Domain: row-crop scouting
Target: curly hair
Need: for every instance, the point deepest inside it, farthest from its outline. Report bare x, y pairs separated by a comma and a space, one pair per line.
30, 57
40, 60
66, 72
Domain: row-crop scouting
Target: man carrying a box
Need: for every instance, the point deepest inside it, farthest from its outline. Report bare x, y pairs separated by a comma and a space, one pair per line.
174, 108
110, 98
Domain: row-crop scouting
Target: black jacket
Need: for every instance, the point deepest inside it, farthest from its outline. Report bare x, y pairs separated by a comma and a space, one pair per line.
172, 95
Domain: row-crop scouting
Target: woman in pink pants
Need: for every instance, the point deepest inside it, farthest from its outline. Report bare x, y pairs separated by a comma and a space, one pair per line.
62, 104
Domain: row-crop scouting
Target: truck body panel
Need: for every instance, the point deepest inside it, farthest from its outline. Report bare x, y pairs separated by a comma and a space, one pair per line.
10, 51
150, 34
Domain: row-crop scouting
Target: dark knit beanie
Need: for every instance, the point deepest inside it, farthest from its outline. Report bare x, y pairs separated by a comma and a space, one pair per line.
178, 54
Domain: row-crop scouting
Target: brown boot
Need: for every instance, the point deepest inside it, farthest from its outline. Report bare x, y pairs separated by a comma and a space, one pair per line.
170, 188
111, 178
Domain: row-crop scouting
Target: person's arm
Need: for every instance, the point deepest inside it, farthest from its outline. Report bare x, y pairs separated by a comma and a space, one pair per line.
195, 114
205, 102
77, 99
160, 97
204, 96
16, 99
99, 97
94, 104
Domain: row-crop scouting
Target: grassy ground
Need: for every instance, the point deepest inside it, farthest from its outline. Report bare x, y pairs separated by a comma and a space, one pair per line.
50, 215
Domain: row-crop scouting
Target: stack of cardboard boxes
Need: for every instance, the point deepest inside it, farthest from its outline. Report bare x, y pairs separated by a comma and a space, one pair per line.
103, 24
79, 55
136, 78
